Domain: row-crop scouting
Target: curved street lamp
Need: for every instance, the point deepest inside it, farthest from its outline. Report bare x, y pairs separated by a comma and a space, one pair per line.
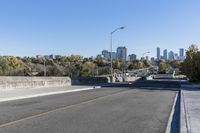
145, 53
111, 58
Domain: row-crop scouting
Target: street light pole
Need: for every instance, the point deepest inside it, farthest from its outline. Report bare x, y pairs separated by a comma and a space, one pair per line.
45, 73
145, 53
111, 56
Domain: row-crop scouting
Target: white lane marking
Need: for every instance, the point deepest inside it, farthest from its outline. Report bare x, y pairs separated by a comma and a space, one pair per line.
43, 94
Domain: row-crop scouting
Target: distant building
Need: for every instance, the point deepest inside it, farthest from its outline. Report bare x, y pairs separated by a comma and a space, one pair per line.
158, 53
165, 54
51, 56
92, 58
114, 55
106, 54
147, 58
99, 56
132, 57
171, 55
39, 56
152, 59
142, 59
122, 53
58, 56
162, 57
181, 54
46, 56
176, 57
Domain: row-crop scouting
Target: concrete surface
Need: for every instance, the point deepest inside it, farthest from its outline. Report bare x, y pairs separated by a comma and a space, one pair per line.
17, 82
190, 111
90, 80
105, 110
9, 95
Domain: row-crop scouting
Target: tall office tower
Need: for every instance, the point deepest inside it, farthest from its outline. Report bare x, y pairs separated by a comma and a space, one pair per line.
158, 53
171, 55
165, 54
181, 54
122, 53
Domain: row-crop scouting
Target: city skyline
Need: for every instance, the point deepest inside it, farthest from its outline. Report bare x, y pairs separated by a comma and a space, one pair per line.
106, 53
74, 27
168, 54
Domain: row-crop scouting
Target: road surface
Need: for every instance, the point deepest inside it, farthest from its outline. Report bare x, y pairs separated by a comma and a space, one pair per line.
106, 110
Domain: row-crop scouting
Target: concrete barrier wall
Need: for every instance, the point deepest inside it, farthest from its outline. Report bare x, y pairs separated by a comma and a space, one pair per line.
11, 82
89, 80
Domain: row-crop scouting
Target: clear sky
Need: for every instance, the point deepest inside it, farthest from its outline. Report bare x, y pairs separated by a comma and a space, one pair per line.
31, 27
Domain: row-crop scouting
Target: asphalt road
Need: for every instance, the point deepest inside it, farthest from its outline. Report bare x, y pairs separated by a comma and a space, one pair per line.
106, 110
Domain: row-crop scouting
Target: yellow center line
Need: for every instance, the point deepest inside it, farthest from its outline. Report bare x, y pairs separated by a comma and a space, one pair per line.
55, 110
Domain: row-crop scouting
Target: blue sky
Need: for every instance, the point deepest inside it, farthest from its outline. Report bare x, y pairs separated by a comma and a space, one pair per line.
31, 27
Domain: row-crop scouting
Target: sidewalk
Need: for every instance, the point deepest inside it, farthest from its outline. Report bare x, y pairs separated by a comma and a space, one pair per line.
190, 109
8, 95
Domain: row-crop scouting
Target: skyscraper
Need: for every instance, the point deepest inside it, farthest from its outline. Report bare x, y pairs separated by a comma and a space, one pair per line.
165, 54
181, 52
171, 55
158, 53
122, 53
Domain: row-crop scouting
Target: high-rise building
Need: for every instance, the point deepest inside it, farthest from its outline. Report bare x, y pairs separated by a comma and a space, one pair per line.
106, 54
165, 54
114, 55
122, 53
132, 57
158, 53
171, 55
181, 52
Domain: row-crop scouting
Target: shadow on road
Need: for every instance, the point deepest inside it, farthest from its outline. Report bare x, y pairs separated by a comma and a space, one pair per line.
148, 84
175, 125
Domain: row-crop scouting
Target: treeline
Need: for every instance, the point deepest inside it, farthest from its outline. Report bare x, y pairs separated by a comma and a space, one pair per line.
74, 65
191, 65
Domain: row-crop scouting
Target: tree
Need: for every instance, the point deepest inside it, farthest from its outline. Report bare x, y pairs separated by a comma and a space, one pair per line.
88, 69
13, 62
147, 63
162, 67
187, 67
75, 58
195, 76
117, 65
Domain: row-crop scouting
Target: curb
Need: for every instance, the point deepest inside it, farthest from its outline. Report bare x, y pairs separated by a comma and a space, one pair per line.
168, 129
185, 124
46, 94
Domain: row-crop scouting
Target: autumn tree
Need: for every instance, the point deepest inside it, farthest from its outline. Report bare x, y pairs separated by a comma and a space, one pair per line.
162, 67
188, 67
